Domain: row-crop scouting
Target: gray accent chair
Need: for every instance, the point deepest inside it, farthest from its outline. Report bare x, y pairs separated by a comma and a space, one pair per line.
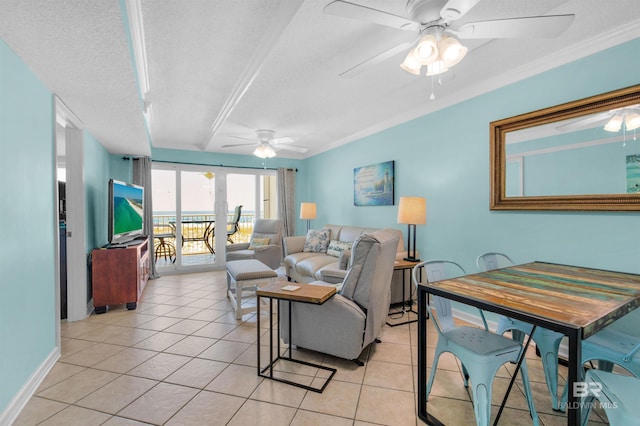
348, 322
271, 254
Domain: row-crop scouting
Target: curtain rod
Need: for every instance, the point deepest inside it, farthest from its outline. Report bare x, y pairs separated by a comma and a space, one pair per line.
222, 165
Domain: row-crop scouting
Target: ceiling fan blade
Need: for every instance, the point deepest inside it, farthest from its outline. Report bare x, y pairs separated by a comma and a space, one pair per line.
284, 139
533, 27
380, 57
455, 9
292, 148
238, 144
241, 137
363, 13
585, 123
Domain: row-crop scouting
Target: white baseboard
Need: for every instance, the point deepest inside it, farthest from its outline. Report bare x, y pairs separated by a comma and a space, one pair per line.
11, 412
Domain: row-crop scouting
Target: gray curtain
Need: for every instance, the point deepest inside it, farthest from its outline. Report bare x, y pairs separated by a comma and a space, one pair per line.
287, 200
142, 177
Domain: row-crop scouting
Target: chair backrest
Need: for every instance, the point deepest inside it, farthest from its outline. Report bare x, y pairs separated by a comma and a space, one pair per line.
437, 270
268, 228
490, 261
368, 280
233, 225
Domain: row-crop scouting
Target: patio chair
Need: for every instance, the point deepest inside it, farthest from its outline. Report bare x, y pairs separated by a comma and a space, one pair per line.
618, 396
233, 227
480, 351
547, 341
163, 246
265, 244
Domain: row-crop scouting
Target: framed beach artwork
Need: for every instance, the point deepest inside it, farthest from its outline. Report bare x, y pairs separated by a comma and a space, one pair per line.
373, 185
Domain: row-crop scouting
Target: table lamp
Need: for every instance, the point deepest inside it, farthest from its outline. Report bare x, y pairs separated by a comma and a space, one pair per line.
308, 212
412, 211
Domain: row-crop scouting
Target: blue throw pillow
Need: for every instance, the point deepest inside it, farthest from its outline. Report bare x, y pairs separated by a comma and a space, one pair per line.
317, 241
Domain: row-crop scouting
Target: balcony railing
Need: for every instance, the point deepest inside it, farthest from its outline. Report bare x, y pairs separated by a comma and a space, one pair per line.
198, 231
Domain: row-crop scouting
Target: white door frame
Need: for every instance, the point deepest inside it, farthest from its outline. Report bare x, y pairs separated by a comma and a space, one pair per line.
220, 208
77, 306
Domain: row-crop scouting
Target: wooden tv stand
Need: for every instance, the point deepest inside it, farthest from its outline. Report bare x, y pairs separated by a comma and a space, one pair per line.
119, 275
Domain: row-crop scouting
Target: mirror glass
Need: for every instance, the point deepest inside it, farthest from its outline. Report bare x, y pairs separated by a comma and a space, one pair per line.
584, 155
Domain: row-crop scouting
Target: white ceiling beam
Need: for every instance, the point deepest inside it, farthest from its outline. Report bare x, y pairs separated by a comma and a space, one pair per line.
136, 30
278, 24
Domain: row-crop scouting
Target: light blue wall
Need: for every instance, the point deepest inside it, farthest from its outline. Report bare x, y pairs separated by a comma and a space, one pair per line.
96, 178
444, 157
27, 206
99, 167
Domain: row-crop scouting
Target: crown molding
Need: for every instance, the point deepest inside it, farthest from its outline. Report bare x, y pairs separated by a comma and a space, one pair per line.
64, 116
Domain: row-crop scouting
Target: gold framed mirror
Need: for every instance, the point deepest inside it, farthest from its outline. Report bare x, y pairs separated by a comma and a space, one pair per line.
582, 155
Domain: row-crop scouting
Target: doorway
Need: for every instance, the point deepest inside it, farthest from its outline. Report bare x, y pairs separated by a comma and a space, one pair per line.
194, 209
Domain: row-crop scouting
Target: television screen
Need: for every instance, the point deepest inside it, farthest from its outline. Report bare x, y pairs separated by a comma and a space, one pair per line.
126, 208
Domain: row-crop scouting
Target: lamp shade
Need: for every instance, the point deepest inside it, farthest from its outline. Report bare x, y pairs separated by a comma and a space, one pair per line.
632, 121
451, 51
307, 210
412, 210
410, 64
264, 150
427, 50
614, 124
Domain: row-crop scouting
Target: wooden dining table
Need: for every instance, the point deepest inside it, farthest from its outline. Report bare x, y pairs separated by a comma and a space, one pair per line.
573, 300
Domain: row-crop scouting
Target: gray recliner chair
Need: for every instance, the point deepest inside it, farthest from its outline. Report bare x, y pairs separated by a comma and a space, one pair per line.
270, 254
348, 322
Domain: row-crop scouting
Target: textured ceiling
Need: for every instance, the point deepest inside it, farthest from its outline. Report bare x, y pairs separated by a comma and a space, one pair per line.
219, 70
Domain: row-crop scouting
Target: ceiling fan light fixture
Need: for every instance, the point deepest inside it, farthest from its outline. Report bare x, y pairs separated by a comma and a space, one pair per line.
438, 67
632, 121
411, 64
264, 150
451, 51
427, 50
614, 124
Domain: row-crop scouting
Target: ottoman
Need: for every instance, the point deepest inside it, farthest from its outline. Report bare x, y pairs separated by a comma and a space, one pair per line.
245, 275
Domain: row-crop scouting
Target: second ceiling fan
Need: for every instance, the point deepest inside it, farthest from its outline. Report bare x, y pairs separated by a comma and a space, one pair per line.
431, 20
267, 144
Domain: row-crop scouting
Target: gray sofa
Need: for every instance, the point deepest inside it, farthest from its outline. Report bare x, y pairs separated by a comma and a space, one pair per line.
349, 321
306, 267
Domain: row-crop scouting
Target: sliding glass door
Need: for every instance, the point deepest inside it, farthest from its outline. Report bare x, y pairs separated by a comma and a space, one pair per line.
198, 210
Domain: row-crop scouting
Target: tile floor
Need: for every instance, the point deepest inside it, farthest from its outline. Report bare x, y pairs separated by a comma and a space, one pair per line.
181, 358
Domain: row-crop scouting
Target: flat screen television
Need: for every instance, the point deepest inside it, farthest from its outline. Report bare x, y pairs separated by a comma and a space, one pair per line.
126, 208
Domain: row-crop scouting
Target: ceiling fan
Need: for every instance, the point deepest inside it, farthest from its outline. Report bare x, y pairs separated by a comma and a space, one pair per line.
267, 144
432, 20
625, 118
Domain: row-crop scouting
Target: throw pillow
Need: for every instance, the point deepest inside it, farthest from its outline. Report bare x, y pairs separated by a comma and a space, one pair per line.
317, 241
336, 247
258, 242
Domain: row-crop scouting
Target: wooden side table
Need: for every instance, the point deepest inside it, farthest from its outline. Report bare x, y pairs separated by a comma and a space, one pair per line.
404, 266
305, 293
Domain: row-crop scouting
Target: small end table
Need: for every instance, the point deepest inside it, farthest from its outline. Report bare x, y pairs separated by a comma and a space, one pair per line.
404, 265
304, 293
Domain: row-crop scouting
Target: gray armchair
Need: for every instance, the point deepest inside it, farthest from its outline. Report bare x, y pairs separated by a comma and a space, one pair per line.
270, 254
345, 324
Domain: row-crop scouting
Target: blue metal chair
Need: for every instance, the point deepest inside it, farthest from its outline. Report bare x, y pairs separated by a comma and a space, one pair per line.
618, 396
610, 346
480, 351
547, 341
